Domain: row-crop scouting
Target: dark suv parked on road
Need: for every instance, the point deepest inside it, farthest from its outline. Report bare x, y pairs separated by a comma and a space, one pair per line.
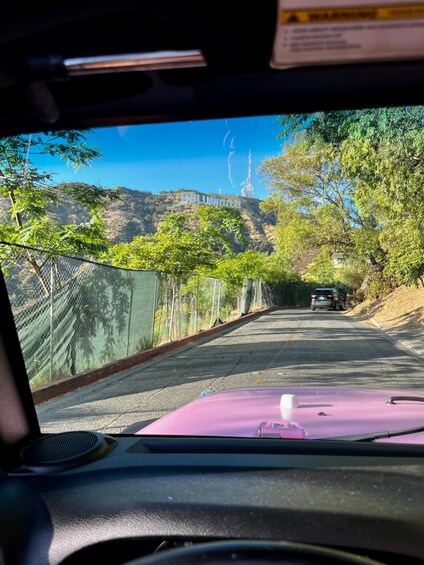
326, 298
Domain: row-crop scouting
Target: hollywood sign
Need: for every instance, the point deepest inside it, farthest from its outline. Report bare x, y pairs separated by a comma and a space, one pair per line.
194, 198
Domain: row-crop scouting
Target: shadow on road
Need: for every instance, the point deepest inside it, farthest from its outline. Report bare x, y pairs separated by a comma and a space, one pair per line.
283, 348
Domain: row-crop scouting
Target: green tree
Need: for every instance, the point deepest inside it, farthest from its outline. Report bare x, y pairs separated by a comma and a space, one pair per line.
33, 198
250, 264
386, 157
313, 198
352, 274
184, 243
404, 244
278, 269
379, 158
233, 270
336, 127
295, 229
222, 228
321, 270
176, 254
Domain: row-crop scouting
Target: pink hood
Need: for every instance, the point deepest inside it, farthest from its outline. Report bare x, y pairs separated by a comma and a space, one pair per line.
321, 412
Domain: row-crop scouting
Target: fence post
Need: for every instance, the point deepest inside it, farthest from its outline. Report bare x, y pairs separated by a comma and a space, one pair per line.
171, 321
156, 306
196, 302
213, 303
247, 296
161, 304
129, 321
51, 317
218, 306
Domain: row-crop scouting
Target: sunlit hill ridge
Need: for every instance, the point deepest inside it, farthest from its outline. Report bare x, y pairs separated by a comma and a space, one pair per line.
141, 212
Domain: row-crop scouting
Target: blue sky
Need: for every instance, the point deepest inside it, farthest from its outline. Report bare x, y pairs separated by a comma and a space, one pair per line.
207, 156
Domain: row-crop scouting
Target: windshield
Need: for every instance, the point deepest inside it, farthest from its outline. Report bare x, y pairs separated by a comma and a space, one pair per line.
249, 277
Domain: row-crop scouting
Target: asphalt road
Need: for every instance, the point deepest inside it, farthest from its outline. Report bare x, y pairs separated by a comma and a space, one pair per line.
284, 347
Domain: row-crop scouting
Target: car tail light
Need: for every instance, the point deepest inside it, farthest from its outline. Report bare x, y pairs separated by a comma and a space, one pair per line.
313, 295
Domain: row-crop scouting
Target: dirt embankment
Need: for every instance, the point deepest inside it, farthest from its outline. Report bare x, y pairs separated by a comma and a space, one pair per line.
400, 315
401, 309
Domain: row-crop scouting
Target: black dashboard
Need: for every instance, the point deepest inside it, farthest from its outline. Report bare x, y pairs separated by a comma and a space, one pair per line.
148, 495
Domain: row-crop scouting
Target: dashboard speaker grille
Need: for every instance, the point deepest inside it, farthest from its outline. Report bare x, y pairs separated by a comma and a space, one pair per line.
65, 450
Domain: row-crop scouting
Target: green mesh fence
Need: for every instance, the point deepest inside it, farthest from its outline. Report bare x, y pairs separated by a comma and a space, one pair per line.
92, 315
74, 316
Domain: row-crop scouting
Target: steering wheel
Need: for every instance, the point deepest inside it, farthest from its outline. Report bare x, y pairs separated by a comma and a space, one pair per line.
252, 553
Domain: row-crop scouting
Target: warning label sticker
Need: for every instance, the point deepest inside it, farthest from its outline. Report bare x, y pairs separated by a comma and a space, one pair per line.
347, 33
352, 14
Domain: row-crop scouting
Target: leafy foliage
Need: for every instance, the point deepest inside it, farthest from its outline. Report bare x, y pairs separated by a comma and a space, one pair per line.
178, 254
234, 269
223, 228
353, 181
201, 242
312, 197
322, 271
251, 264
184, 242
30, 219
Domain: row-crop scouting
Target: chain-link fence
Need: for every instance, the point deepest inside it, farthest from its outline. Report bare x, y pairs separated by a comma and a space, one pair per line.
73, 315
186, 308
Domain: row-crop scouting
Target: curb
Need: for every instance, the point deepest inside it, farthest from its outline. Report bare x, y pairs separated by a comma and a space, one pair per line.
69, 384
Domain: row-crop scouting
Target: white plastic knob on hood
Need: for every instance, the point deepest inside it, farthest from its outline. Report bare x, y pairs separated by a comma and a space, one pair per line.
289, 401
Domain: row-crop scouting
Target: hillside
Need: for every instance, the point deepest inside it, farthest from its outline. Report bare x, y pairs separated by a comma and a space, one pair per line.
402, 308
141, 212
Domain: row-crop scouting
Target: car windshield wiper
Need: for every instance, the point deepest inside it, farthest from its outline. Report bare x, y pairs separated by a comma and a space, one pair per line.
376, 435
395, 399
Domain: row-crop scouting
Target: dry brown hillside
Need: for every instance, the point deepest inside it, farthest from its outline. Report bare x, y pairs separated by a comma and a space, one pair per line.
139, 212
402, 308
